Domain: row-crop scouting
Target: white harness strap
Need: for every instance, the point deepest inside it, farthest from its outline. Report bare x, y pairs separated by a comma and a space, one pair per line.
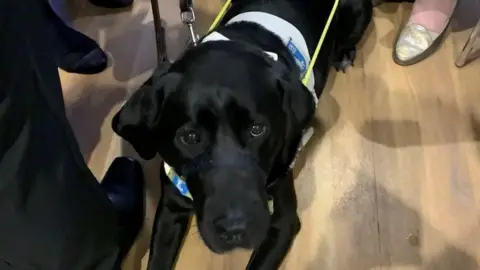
215, 36
287, 32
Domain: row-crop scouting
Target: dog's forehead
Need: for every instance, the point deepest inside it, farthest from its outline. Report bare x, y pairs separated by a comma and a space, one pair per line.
222, 102
231, 71
214, 104
229, 87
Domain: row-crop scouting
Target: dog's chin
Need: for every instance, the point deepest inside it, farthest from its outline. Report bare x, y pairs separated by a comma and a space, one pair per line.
219, 247
216, 245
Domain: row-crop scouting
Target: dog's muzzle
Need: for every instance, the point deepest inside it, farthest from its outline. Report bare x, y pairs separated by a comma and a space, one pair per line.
206, 162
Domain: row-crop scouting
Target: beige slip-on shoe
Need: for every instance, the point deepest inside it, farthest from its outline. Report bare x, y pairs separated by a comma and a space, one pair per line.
415, 42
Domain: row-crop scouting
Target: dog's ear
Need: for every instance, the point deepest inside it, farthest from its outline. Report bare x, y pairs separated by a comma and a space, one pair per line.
299, 107
138, 120
298, 102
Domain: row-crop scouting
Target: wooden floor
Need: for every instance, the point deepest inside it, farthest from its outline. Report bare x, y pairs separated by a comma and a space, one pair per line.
392, 180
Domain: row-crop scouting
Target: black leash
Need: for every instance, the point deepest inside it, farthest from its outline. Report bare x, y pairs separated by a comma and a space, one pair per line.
160, 37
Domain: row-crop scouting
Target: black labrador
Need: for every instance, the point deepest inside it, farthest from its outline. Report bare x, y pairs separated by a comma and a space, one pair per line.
227, 118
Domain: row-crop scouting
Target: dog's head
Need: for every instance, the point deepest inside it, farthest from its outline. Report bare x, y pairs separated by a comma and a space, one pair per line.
226, 118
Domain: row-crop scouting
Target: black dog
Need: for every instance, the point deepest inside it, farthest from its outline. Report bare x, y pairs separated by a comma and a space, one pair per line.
228, 117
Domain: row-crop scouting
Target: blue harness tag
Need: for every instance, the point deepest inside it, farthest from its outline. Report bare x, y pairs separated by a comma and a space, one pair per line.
181, 185
299, 57
177, 181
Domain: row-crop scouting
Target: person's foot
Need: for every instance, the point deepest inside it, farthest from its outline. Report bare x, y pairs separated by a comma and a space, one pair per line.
124, 185
112, 3
422, 34
74, 51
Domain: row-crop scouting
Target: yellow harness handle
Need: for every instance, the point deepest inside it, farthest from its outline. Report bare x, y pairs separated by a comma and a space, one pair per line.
308, 72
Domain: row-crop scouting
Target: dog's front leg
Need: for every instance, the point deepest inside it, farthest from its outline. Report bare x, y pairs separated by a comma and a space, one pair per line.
170, 227
284, 227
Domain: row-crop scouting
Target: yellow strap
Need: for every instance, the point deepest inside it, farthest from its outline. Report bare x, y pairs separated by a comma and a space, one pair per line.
308, 72
307, 75
220, 15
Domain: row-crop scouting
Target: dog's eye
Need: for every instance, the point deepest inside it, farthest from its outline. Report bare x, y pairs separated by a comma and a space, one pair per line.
190, 137
257, 130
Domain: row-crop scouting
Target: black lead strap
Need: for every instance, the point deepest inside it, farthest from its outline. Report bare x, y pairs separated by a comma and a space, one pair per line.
159, 33
186, 5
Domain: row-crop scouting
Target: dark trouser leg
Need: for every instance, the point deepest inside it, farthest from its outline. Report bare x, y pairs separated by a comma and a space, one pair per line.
53, 213
74, 52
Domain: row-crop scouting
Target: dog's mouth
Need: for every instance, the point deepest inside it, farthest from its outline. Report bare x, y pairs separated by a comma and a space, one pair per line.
234, 211
230, 201
224, 229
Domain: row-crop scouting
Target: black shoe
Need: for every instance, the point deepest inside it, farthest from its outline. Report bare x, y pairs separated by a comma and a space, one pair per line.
112, 3
74, 51
124, 185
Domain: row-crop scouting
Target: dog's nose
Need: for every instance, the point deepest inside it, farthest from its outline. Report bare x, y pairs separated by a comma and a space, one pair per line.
232, 228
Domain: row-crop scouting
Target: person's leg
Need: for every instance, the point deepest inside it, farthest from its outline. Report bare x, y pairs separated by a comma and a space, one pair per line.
432, 14
423, 32
74, 52
53, 213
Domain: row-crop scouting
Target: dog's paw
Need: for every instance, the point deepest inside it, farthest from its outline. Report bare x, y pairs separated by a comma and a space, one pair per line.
345, 59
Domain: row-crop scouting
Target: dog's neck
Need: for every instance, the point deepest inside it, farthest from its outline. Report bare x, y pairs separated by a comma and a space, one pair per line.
291, 37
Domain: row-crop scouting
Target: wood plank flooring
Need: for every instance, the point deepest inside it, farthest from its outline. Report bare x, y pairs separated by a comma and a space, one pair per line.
392, 179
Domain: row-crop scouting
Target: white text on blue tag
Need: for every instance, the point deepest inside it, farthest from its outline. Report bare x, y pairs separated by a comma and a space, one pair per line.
181, 185
299, 57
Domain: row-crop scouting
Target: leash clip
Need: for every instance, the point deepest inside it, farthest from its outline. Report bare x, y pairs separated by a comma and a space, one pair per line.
188, 18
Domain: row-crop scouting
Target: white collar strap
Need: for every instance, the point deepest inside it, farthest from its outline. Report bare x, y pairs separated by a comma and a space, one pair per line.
216, 36
287, 32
